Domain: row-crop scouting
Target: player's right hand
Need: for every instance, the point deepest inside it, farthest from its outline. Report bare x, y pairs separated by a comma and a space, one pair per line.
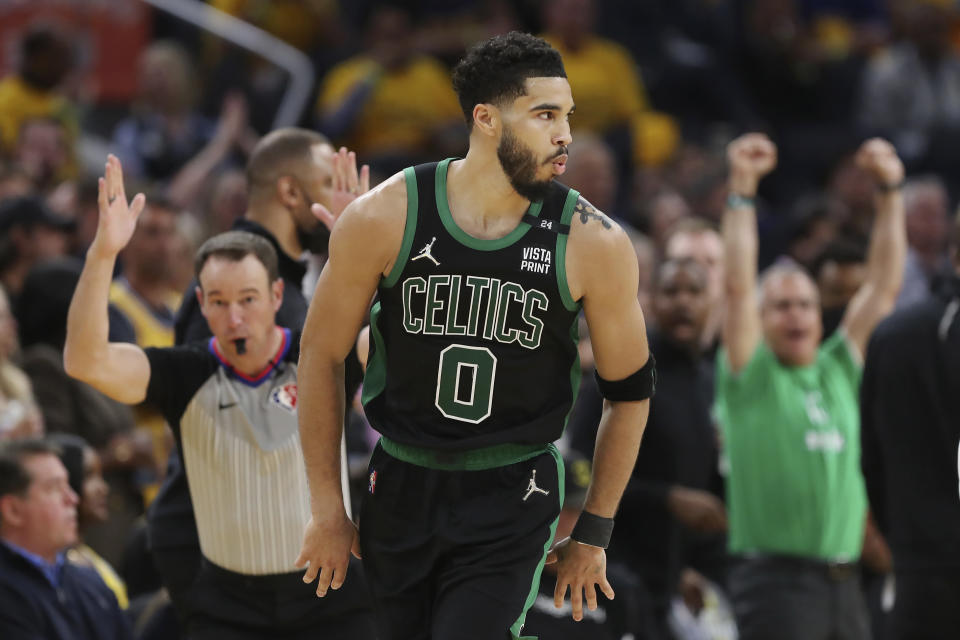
117, 218
327, 545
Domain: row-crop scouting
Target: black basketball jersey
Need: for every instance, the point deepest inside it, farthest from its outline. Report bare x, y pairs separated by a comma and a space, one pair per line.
474, 342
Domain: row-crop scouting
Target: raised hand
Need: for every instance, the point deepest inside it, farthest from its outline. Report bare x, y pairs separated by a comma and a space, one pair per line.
879, 158
751, 157
348, 185
118, 218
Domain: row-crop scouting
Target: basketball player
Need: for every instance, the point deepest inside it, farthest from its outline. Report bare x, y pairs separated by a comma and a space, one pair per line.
481, 266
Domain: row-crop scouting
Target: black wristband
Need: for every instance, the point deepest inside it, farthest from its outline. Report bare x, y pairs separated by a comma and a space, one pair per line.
593, 530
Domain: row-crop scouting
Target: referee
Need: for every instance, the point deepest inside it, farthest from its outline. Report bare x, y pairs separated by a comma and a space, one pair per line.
232, 405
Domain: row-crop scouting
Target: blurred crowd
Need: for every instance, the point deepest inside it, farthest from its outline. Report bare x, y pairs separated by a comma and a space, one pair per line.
661, 88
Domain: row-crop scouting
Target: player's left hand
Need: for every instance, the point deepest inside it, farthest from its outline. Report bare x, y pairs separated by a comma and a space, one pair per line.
348, 185
879, 158
581, 568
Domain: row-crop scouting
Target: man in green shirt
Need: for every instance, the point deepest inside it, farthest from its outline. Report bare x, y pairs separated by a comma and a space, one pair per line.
787, 406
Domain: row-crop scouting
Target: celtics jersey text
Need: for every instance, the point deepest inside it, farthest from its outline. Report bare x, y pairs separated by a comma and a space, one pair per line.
474, 342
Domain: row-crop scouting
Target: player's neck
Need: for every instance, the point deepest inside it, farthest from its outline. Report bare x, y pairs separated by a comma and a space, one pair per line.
275, 218
477, 187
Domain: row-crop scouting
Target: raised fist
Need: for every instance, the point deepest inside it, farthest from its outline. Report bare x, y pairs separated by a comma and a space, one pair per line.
877, 157
751, 157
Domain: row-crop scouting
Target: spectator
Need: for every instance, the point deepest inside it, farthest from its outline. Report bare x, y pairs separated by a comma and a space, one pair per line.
71, 406
231, 403
41, 595
390, 105
19, 415
675, 479
68, 406
142, 291
839, 272
666, 210
788, 410
43, 152
14, 181
32, 91
85, 475
29, 234
812, 228
228, 201
166, 139
912, 91
698, 240
909, 408
592, 169
927, 206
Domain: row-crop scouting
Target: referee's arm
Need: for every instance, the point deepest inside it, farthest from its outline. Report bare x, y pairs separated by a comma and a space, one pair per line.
119, 370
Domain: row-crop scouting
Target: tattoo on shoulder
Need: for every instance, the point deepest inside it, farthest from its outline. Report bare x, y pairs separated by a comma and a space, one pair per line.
588, 212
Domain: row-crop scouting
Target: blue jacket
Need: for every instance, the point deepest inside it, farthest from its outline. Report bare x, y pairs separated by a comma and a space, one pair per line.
81, 608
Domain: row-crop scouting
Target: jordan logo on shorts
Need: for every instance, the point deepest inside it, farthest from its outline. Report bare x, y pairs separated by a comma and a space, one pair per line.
533, 488
425, 253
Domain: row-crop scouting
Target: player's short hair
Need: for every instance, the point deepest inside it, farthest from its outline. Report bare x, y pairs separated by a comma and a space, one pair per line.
494, 71
235, 246
279, 153
14, 477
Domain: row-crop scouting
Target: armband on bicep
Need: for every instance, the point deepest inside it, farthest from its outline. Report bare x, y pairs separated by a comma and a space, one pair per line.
639, 385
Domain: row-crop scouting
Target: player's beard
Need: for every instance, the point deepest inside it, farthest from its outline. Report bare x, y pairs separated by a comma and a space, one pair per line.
521, 165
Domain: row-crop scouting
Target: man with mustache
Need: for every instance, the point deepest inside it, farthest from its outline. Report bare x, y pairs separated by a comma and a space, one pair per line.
788, 410
473, 366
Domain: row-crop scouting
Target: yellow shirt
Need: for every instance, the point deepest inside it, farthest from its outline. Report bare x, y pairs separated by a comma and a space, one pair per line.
20, 103
406, 105
293, 21
84, 556
609, 92
151, 331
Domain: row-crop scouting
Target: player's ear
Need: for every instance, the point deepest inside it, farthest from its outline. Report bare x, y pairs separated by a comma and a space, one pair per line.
486, 119
287, 192
199, 293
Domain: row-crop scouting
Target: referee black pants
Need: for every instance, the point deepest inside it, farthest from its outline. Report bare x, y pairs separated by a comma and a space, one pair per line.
457, 555
232, 606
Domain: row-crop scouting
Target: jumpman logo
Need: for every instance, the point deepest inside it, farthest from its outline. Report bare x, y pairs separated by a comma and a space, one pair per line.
425, 253
533, 488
